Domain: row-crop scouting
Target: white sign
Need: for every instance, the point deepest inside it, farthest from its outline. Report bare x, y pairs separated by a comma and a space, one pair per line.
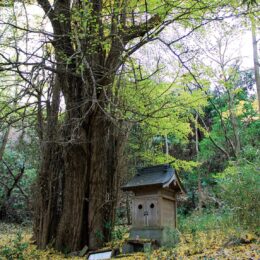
100, 256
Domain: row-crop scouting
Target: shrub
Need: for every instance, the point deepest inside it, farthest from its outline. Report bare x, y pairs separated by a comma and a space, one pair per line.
119, 232
239, 189
171, 237
204, 221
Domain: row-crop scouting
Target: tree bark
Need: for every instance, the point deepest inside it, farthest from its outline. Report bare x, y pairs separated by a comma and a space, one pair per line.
197, 159
234, 123
79, 177
88, 188
4, 142
256, 61
2, 149
47, 204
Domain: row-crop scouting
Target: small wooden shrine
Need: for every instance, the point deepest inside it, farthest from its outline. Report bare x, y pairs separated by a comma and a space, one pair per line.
154, 204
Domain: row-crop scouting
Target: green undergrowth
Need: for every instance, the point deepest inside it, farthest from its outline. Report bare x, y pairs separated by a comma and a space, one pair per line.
204, 221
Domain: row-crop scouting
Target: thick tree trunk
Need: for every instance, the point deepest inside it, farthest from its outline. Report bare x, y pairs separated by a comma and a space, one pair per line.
79, 181
89, 194
90, 186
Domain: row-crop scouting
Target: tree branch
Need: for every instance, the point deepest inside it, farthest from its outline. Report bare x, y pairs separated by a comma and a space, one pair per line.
130, 33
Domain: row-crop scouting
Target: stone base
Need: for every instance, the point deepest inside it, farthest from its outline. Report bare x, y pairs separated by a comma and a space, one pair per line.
151, 233
162, 235
132, 246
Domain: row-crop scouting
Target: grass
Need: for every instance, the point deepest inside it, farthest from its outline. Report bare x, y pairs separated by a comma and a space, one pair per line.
204, 221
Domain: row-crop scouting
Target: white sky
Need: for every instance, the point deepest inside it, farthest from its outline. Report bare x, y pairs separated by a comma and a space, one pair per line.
246, 50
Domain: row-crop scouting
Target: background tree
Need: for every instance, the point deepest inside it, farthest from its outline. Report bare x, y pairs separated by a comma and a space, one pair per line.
255, 56
229, 90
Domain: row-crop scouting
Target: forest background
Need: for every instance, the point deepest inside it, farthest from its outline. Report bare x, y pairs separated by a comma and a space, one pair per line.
91, 90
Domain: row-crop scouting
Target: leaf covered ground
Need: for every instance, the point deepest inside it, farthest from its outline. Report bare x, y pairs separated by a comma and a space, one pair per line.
15, 243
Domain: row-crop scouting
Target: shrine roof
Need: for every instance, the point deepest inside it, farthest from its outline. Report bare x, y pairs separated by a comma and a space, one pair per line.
159, 175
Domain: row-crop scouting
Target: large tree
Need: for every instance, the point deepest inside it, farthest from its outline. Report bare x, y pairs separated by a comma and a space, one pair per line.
79, 176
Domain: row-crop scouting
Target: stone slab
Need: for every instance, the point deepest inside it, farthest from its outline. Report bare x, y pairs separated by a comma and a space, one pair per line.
152, 234
161, 236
